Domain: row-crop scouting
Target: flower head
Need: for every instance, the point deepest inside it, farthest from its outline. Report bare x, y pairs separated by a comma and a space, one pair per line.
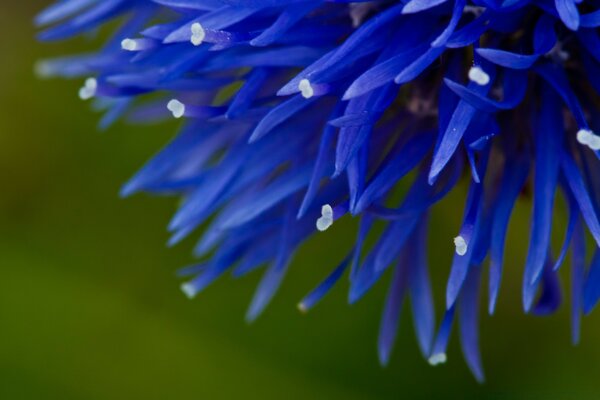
298, 113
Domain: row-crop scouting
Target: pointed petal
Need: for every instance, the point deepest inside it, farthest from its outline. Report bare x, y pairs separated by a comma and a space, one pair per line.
515, 175
311, 299
469, 321
391, 314
548, 140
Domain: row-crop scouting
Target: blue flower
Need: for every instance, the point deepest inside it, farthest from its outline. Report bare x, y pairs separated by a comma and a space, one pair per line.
301, 112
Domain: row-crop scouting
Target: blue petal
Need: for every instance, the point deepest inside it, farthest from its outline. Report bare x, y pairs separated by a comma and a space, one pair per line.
311, 299
551, 296
391, 314
283, 187
394, 168
514, 178
414, 6
279, 114
351, 138
356, 173
414, 69
457, 13
290, 16
382, 73
273, 277
61, 10
577, 278
322, 162
366, 222
468, 321
558, 80
548, 141
454, 131
573, 217
468, 231
590, 20
421, 298
591, 288
470, 33
438, 354
544, 36
515, 86
508, 59
586, 207
567, 10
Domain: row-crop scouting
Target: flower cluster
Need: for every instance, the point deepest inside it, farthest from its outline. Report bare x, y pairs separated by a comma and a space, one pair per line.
300, 112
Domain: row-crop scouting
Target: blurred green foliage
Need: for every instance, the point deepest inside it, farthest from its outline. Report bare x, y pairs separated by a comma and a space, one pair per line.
90, 306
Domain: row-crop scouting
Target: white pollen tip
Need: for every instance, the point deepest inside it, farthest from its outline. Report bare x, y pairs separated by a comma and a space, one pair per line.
89, 89
594, 142
42, 69
436, 359
198, 34
129, 45
188, 290
306, 89
461, 245
584, 136
326, 219
479, 76
302, 308
176, 107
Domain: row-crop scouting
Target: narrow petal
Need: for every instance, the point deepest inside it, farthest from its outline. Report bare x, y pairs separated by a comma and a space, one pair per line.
391, 314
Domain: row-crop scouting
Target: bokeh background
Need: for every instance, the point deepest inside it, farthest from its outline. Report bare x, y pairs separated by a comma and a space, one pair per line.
90, 306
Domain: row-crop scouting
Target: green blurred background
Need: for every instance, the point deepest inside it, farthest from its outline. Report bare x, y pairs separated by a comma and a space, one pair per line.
90, 307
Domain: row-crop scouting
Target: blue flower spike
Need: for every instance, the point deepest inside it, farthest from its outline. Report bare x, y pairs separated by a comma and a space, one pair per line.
297, 113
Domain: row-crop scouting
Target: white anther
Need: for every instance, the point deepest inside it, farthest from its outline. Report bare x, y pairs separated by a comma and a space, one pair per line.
479, 76
188, 289
198, 34
439, 358
89, 89
594, 142
176, 107
461, 245
302, 308
129, 45
326, 219
306, 89
584, 136
589, 139
43, 69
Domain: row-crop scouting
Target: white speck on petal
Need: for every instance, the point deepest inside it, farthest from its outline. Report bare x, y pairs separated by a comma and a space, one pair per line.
588, 138
89, 89
198, 34
176, 107
584, 136
306, 89
326, 219
43, 69
302, 308
439, 358
479, 76
129, 45
594, 142
461, 245
188, 290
